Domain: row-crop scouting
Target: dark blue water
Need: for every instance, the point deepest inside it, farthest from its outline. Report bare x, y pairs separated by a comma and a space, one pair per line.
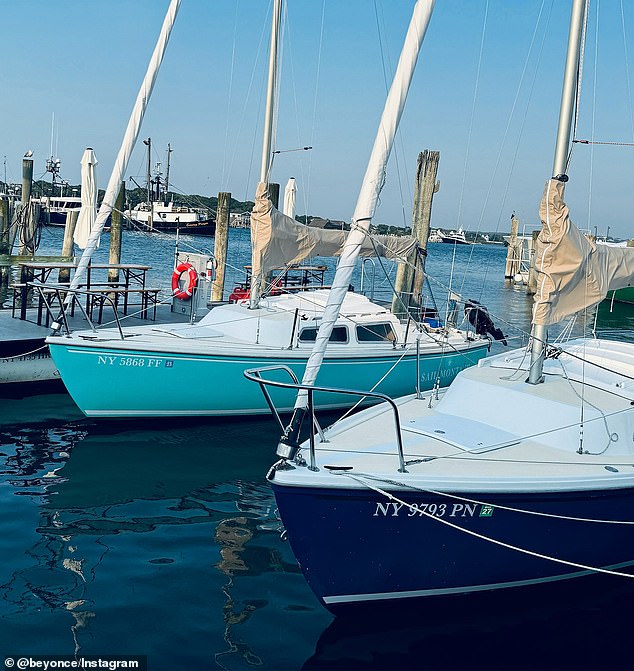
160, 538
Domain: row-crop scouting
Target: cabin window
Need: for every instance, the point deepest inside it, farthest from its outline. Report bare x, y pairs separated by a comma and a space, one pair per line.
375, 332
339, 334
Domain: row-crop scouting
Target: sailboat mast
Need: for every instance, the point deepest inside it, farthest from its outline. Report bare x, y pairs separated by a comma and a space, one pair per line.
562, 148
148, 172
167, 172
270, 91
364, 212
269, 115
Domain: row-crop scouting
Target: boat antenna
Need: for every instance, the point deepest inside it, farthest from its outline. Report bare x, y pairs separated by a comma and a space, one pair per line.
562, 151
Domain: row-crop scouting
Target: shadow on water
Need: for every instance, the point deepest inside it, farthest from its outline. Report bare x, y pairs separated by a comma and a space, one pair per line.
579, 624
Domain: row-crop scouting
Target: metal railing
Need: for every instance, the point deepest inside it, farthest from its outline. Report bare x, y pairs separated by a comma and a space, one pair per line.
255, 375
61, 293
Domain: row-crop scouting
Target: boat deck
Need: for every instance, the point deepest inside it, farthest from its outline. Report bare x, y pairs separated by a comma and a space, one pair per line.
458, 443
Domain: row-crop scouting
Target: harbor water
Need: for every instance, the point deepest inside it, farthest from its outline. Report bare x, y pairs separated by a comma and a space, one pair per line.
160, 537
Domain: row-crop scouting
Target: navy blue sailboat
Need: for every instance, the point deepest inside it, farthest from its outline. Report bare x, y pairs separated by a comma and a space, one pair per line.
520, 472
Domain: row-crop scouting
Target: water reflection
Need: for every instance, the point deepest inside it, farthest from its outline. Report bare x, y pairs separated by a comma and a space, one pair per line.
116, 506
581, 624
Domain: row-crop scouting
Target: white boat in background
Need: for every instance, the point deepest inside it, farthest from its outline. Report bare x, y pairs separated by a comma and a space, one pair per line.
521, 472
54, 209
166, 217
453, 237
159, 213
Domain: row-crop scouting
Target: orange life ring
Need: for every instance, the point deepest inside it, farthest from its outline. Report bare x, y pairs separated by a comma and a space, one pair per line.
192, 279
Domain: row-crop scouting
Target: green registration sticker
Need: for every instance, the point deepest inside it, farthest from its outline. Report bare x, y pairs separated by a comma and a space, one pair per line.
486, 511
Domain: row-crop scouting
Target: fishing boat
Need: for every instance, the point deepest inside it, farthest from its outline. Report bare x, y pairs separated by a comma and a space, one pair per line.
520, 472
54, 209
161, 216
370, 347
159, 213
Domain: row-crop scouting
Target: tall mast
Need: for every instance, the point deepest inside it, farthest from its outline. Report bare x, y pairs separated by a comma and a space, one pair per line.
148, 176
270, 91
167, 172
269, 115
562, 147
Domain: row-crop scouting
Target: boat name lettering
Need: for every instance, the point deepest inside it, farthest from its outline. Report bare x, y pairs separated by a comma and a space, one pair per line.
136, 361
392, 509
447, 373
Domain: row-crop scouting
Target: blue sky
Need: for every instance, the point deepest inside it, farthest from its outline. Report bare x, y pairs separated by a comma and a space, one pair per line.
82, 60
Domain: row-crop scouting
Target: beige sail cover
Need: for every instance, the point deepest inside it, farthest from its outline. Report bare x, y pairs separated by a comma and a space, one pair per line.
574, 272
278, 240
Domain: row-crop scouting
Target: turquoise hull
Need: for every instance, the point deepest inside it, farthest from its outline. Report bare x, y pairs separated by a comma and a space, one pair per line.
106, 382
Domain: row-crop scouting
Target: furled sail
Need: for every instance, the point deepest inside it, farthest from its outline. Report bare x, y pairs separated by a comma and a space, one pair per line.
574, 272
132, 132
278, 240
373, 181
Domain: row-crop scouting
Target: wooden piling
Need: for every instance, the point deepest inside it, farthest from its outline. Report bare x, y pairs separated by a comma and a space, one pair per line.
115, 234
531, 286
27, 232
220, 244
5, 272
514, 251
5, 223
410, 275
67, 244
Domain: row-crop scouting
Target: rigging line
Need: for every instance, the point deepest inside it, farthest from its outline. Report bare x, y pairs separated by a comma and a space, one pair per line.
521, 131
594, 118
582, 52
296, 105
314, 116
406, 308
464, 454
495, 541
560, 351
471, 121
581, 397
498, 159
360, 401
627, 68
223, 174
398, 132
246, 105
499, 506
604, 142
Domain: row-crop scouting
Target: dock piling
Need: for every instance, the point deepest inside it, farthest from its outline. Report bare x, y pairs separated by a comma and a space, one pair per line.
410, 276
220, 244
115, 234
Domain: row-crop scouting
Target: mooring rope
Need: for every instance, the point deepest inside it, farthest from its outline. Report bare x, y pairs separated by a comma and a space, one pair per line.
536, 513
494, 541
18, 356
